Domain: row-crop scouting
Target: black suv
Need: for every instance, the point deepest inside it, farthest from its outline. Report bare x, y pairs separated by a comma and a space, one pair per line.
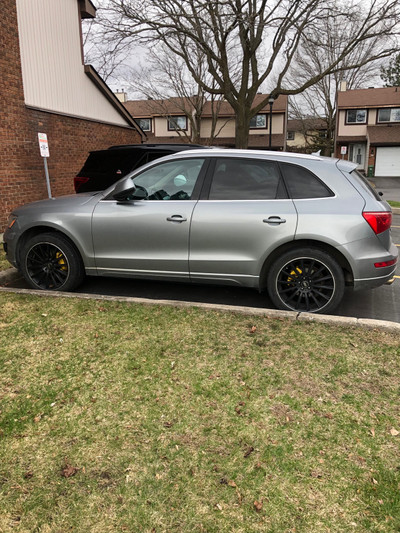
104, 167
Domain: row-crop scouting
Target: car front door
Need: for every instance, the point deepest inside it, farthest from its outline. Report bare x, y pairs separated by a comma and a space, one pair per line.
149, 237
246, 214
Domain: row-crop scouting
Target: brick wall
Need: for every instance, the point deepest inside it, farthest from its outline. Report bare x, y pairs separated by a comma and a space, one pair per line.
70, 139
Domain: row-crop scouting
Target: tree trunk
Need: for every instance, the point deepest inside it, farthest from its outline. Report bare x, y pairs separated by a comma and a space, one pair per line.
242, 127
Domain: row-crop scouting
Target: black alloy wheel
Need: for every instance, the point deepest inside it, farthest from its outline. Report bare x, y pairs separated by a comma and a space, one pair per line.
51, 262
306, 282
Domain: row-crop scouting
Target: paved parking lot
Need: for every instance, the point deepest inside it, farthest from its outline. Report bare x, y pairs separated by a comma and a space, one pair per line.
382, 303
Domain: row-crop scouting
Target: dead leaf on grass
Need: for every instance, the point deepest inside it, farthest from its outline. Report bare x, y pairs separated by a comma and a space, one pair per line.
258, 505
253, 329
68, 470
248, 451
372, 431
231, 483
317, 474
394, 432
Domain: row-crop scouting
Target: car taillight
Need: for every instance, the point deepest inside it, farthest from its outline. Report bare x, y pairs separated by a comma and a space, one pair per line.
383, 264
79, 181
379, 221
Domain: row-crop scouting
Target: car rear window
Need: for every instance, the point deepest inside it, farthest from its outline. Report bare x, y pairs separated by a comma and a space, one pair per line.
110, 162
302, 183
365, 184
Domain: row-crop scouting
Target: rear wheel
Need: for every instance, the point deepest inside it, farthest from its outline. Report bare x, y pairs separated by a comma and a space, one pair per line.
306, 280
49, 261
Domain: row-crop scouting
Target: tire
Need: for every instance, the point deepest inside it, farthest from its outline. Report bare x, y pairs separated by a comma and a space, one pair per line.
49, 261
306, 280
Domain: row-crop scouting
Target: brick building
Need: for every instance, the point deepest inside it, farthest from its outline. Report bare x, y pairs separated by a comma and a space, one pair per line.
46, 88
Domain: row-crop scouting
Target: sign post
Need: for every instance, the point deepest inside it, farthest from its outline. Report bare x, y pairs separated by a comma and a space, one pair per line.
45, 153
343, 151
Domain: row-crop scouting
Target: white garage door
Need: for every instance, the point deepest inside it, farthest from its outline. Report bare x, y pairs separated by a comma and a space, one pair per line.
387, 161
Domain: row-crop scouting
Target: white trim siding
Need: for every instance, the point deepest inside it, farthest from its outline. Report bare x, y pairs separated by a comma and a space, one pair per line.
52, 71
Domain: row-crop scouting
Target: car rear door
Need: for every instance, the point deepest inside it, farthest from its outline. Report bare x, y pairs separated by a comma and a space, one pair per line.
245, 215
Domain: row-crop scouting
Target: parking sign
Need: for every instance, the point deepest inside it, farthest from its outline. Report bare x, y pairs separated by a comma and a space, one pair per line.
43, 145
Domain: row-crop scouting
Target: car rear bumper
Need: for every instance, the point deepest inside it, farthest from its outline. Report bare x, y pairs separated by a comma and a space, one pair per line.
364, 255
370, 283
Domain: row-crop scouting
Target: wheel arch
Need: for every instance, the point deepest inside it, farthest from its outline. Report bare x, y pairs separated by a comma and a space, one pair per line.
37, 230
306, 243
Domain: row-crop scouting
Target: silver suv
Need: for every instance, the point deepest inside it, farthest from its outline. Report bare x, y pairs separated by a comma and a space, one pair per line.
301, 227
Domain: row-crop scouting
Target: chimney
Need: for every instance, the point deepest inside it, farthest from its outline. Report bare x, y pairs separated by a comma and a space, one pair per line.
122, 96
343, 86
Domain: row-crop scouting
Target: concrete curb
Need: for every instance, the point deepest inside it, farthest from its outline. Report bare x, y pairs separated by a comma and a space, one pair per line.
12, 274
396, 210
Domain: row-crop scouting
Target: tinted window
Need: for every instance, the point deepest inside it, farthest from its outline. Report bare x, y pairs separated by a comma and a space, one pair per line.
301, 183
110, 162
241, 179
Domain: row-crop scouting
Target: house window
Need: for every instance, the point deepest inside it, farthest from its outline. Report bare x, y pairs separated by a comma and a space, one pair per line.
258, 121
145, 124
356, 116
177, 123
323, 134
390, 114
290, 136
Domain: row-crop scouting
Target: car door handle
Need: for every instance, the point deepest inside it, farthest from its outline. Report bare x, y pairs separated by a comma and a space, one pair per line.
274, 220
176, 218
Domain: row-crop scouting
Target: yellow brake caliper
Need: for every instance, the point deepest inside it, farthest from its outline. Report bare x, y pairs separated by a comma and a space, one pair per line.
61, 261
294, 273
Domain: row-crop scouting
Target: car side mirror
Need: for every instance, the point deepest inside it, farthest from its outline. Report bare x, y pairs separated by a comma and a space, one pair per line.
126, 190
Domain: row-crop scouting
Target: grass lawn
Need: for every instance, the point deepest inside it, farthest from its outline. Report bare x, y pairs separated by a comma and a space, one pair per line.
393, 203
4, 264
118, 417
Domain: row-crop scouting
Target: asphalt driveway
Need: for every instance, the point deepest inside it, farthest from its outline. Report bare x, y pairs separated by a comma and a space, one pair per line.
382, 303
390, 187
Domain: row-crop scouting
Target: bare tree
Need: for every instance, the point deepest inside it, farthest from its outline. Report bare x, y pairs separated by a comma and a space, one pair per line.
166, 83
249, 44
390, 73
319, 100
110, 56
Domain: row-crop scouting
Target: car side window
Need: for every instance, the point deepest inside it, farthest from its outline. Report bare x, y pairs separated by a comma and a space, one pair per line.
241, 179
302, 183
174, 180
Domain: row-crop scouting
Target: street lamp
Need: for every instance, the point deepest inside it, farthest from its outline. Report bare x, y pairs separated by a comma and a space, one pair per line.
271, 103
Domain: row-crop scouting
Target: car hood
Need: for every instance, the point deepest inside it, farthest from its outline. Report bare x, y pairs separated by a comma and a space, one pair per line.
70, 202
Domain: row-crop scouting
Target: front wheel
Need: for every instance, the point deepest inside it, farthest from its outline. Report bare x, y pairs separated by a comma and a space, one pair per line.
306, 280
49, 261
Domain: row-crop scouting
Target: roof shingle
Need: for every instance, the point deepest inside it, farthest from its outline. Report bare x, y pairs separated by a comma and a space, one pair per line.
367, 98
